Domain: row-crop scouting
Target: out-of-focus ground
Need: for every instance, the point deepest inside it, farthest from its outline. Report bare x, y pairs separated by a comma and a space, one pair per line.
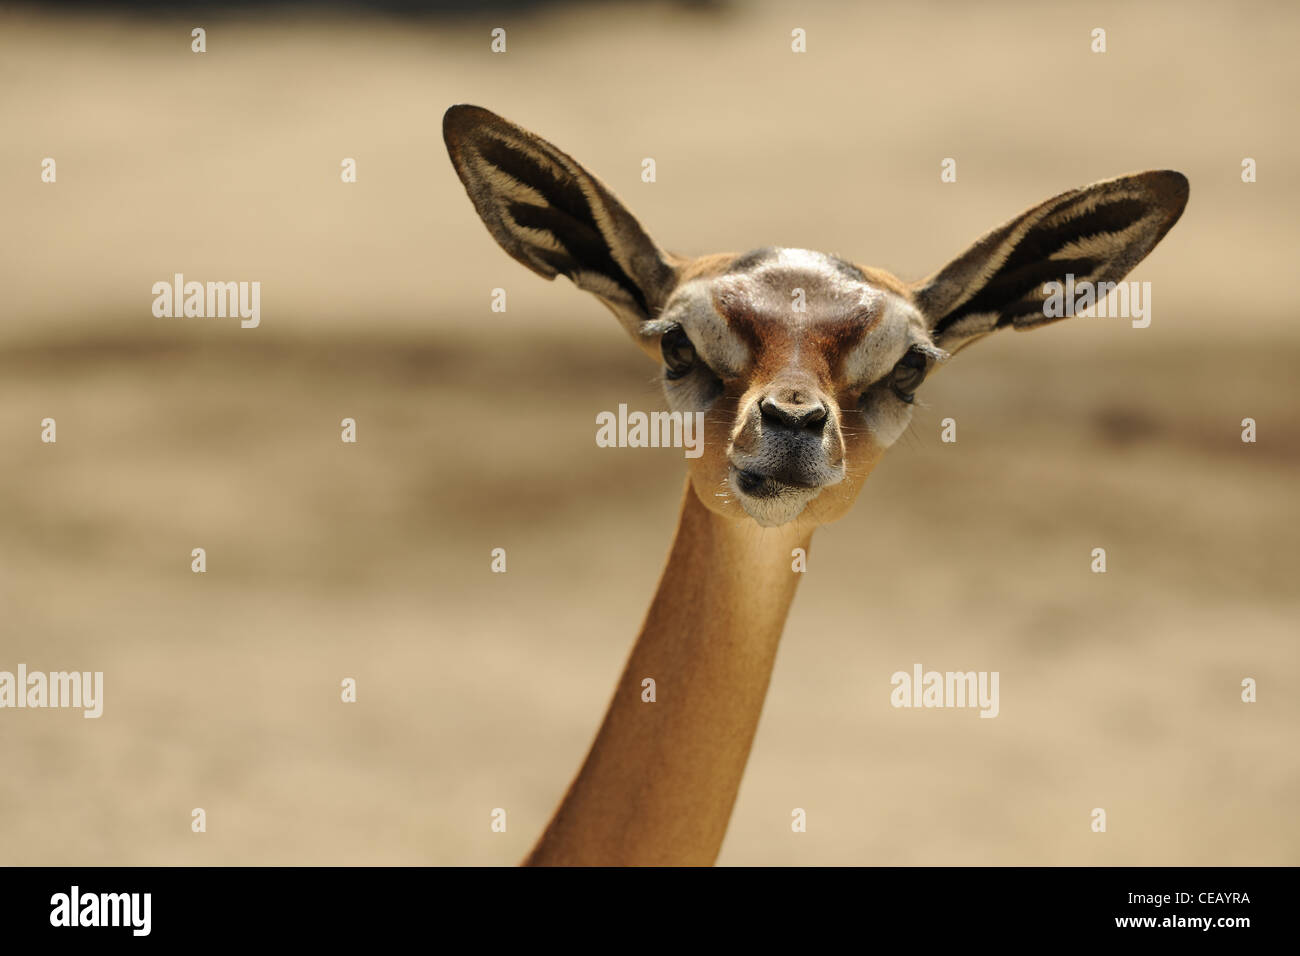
476, 430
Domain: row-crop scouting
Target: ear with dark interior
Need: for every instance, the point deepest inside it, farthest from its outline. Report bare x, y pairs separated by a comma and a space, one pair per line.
1097, 234
556, 218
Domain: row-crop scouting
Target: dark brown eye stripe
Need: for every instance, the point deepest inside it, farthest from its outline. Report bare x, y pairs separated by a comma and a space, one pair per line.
772, 337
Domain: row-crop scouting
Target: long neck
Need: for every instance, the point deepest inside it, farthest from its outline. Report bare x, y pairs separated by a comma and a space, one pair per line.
661, 778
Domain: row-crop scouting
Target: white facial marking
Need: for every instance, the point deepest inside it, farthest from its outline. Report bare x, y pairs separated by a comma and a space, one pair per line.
692, 307
899, 327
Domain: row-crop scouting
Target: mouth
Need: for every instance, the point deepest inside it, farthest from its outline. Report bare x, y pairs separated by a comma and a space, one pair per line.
770, 501
757, 485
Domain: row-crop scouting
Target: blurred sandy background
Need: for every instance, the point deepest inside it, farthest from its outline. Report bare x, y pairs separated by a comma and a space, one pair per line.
476, 431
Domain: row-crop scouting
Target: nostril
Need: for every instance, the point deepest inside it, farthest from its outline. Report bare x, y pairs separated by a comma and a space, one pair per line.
816, 416
779, 412
794, 415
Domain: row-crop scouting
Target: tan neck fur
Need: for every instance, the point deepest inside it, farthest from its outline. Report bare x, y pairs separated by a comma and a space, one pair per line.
661, 778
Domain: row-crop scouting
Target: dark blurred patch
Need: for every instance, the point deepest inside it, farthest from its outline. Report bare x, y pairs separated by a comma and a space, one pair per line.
415, 8
1119, 425
546, 363
1198, 430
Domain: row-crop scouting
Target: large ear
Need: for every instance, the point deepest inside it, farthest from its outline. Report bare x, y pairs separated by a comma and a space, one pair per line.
1097, 233
554, 216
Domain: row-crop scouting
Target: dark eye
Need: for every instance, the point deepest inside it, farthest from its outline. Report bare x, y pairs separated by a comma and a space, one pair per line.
907, 376
679, 353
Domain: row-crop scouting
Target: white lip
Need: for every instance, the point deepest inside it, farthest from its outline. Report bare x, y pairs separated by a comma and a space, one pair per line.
774, 511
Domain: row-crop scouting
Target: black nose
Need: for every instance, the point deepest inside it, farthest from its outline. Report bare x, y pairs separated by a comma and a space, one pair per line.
793, 411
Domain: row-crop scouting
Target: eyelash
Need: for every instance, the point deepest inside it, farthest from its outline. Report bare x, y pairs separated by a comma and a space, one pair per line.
906, 368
